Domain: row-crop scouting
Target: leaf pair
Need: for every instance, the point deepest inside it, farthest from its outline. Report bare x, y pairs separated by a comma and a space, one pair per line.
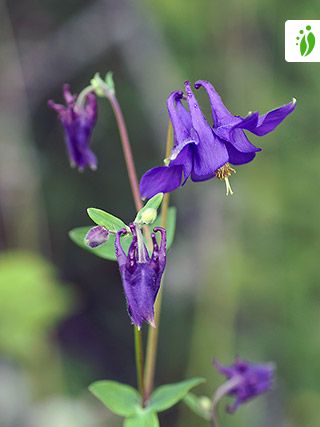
114, 224
124, 400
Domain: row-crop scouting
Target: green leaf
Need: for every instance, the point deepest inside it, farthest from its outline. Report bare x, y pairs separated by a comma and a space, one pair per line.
148, 214
107, 251
200, 405
121, 399
166, 396
145, 419
105, 219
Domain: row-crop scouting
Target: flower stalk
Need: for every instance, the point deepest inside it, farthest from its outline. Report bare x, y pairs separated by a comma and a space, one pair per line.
153, 333
127, 152
138, 204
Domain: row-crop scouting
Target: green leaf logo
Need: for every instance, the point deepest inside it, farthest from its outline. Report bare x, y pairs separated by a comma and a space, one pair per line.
306, 41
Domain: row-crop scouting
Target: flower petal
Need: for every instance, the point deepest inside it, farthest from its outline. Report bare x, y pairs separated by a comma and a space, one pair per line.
233, 133
220, 114
162, 179
180, 119
237, 157
141, 288
185, 159
272, 119
210, 154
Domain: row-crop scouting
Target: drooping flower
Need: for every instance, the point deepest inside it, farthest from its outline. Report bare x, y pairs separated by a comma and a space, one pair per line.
78, 119
245, 381
141, 274
202, 151
97, 236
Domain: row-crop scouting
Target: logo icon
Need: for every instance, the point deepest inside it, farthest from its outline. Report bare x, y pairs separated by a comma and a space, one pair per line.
306, 40
302, 40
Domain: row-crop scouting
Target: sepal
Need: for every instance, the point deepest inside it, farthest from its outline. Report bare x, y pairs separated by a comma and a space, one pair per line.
106, 220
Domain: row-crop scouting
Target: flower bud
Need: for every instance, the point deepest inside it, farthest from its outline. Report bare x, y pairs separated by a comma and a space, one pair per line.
96, 236
148, 216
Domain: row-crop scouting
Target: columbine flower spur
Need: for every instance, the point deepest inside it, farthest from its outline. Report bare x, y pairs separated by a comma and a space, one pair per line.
203, 152
141, 274
245, 381
78, 119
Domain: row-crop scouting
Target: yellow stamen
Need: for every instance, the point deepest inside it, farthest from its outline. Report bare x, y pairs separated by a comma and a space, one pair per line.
223, 173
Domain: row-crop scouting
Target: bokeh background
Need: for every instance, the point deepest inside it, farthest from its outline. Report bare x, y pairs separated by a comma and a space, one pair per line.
243, 274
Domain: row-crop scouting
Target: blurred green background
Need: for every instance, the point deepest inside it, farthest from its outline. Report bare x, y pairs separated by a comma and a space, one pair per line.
243, 274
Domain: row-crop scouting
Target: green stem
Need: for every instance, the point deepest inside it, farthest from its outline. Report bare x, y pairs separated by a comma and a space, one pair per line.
153, 333
139, 358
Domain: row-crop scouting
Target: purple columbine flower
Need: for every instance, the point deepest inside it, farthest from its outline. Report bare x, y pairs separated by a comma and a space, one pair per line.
202, 151
96, 236
141, 274
78, 118
245, 380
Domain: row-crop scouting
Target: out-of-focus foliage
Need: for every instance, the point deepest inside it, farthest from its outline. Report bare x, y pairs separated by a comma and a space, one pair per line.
32, 301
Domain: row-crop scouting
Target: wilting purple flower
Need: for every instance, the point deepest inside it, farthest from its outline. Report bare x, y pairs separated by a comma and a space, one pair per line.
141, 274
96, 236
245, 380
201, 151
78, 120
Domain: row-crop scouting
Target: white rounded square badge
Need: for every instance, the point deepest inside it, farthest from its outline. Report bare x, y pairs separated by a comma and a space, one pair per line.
302, 40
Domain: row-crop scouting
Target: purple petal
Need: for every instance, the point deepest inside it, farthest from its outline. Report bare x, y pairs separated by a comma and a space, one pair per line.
210, 154
272, 119
162, 179
237, 157
141, 290
180, 117
141, 278
220, 114
185, 159
91, 107
183, 113
234, 134
181, 121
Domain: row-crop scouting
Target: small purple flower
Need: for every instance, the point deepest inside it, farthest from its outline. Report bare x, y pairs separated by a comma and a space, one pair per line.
202, 151
78, 120
141, 274
96, 236
245, 380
